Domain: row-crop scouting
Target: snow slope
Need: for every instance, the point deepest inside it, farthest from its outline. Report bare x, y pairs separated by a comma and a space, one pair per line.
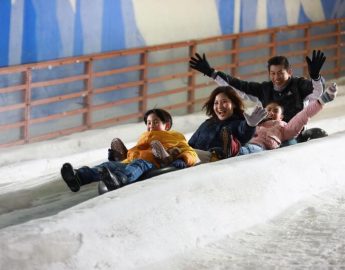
178, 220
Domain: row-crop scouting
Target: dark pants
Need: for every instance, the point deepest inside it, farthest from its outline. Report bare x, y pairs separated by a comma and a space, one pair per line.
132, 170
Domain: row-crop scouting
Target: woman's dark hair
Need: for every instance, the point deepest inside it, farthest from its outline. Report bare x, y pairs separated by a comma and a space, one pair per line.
163, 115
238, 105
278, 61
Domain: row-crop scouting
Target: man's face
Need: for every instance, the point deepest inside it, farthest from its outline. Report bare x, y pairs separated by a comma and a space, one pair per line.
279, 76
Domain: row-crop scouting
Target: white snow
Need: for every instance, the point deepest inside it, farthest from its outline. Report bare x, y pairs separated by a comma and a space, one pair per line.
280, 209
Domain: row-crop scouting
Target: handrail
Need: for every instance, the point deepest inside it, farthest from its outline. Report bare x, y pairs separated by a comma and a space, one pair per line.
98, 90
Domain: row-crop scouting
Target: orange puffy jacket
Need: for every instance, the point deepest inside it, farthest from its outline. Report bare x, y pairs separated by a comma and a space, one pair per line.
169, 139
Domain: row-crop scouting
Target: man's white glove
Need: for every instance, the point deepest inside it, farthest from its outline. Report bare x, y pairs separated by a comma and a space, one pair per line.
329, 94
256, 116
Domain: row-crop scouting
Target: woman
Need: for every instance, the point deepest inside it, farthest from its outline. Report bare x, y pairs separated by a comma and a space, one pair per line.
228, 125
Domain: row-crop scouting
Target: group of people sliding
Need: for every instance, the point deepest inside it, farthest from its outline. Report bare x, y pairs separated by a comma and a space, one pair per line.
285, 105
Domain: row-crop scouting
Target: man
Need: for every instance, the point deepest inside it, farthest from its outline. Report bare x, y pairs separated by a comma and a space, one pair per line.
291, 92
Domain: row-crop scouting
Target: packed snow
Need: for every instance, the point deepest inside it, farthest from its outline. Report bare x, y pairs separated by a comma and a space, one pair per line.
280, 209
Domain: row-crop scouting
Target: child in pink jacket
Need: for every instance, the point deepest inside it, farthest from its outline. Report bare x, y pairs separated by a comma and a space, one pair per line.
273, 130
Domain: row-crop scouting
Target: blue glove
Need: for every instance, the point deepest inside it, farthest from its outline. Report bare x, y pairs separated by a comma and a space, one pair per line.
179, 164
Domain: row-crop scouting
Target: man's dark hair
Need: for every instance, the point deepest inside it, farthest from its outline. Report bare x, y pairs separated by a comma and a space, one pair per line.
278, 61
163, 115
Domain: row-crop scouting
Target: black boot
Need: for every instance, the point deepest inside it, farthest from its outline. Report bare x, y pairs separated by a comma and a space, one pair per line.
226, 138
312, 133
117, 151
112, 180
231, 146
69, 176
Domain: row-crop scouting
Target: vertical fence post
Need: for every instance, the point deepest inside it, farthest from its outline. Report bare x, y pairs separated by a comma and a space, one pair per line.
307, 48
273, 47
142, 106
234, 56
191, 82
88, 99
338, 52
27, 110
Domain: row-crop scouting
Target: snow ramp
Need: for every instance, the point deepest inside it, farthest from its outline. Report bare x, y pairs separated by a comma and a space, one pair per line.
152, 221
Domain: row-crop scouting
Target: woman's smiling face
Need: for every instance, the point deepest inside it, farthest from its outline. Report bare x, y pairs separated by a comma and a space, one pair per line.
223, 106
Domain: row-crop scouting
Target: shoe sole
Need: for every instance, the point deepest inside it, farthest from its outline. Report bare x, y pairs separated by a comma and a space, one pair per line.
120, 150
158, 151
69, 177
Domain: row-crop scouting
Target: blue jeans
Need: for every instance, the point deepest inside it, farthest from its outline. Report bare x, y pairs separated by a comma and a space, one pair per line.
288, 142
132, 170
137, 168
250, 148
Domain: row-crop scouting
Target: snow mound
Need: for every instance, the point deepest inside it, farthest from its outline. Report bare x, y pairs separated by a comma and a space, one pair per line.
151, 221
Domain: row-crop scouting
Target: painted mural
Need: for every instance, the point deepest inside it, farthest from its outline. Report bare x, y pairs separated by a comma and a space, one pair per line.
38, 30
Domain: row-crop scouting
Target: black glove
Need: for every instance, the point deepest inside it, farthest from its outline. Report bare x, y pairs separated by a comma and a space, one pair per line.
201, 64
111, 155
179, 164
315, 64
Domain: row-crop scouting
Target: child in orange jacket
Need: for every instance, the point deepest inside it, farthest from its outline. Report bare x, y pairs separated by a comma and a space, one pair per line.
139, 159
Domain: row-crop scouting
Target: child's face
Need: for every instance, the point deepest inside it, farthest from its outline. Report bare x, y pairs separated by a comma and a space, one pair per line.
279, 75
153, 123
223, 106
275, 112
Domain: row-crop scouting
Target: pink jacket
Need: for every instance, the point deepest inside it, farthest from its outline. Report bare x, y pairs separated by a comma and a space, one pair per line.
270, 134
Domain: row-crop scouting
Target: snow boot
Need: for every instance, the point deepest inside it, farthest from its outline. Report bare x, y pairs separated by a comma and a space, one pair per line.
231, 146
70, 177
312, 133
160, 154
117, 151
113, 180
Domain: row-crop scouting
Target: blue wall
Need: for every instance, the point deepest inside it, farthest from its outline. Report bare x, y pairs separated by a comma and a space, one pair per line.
38, 30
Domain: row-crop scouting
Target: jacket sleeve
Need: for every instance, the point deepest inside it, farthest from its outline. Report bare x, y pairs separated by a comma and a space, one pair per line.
318, 89
193, 140
295, 125
244, 132
304, 87
251, 89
